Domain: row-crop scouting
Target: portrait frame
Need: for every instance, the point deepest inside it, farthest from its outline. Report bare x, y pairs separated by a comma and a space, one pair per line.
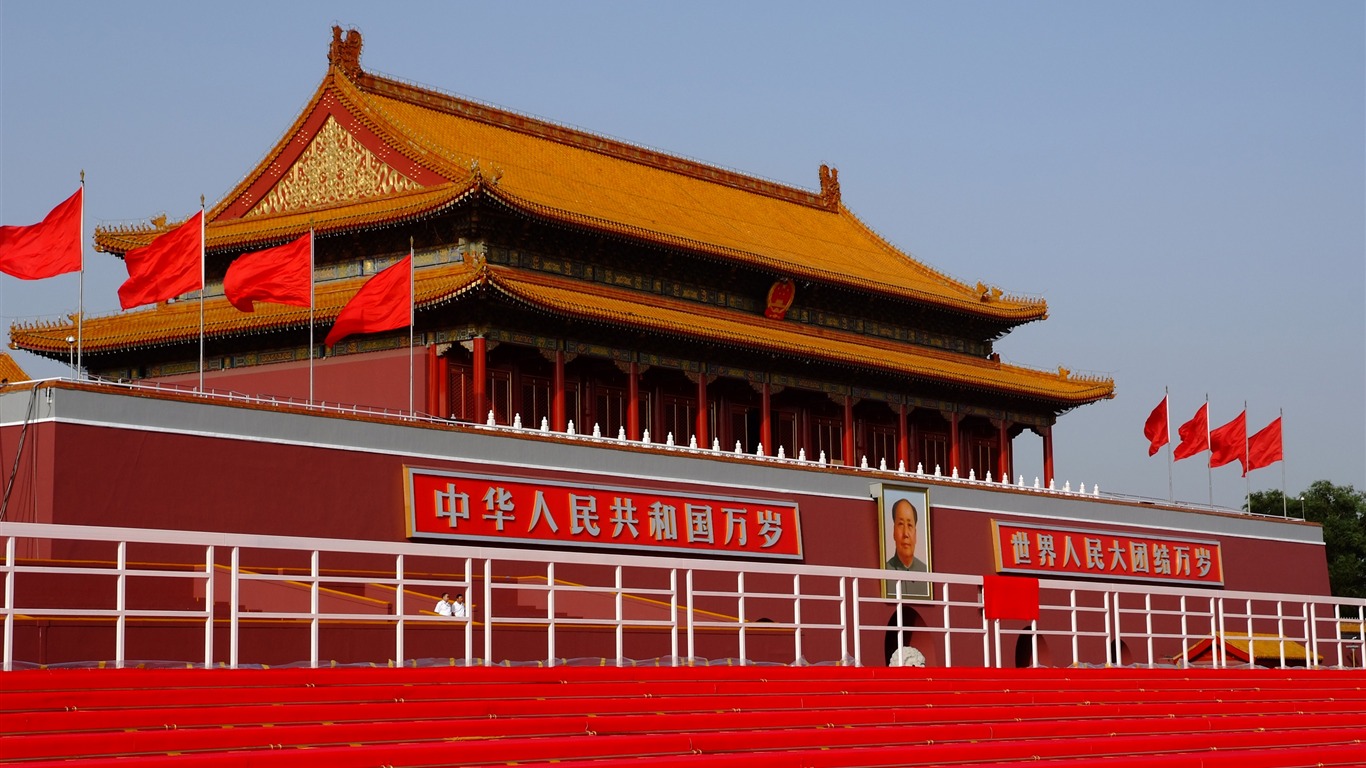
888, 497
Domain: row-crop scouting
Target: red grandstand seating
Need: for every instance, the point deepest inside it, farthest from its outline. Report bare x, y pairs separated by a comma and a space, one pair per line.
708, 716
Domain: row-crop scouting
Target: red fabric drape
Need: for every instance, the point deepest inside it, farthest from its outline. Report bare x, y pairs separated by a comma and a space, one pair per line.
167, 267
1229, 442
1010, 597
382, 304
1194, 435
1264, 448
281, 275
46, 249
1155, 428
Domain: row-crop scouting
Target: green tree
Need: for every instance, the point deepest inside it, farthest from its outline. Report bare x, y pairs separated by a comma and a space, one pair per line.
1341, 510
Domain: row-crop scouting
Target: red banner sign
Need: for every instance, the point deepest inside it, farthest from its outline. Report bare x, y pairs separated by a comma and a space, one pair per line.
1105, 555
449, 505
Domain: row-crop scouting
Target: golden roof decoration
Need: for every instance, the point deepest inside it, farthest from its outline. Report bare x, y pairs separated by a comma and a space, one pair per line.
543, 169
334, 169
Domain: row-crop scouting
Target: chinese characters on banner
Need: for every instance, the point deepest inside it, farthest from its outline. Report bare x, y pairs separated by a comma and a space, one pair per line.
448, 505
1105, 555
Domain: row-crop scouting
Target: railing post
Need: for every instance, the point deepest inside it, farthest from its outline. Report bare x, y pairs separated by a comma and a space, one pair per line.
314, 604
1034, 643
858, 622
948, 626
844, 620
8, 603
673, 616
1309, 611
996, 630
1072, 605
621, 637
797, 618
692, 639
234, 613
1148, 625
1185, 641
399, 626
1110, 645
550, 614
488, 611
1221, 653
469, 623
740, 588
208, 607
121, 604
1280, 629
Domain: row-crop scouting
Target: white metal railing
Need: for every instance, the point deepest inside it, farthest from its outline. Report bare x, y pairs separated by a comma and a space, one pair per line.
919, 473
535, 604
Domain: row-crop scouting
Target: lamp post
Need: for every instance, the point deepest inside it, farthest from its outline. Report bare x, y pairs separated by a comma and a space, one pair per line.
71, 354
1301, 506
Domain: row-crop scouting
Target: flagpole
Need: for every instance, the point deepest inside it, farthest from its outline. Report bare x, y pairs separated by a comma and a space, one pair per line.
1247, 481
1285, 505
1209, 469
311, 277
80, 300
412, 312
1166, 399
201, 294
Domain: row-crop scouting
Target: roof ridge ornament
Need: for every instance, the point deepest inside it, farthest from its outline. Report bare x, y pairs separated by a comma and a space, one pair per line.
830, 187
344, 54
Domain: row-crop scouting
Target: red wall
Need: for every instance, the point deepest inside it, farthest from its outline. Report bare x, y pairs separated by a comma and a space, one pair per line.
372, 380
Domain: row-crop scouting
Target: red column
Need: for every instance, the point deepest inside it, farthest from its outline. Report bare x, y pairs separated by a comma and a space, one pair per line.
953, 444
1047, 433
849, 459
431, 406
481, 380
443, 386
702, 441
903, 439
765, 422
633, 402
557, 416
1002, 452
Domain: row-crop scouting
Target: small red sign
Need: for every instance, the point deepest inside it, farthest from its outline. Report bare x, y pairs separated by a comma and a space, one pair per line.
470, 507
1109, 555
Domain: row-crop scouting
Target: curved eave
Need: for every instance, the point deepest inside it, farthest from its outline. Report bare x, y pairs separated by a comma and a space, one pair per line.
1008, 312
178, 322
239, 234
751, 332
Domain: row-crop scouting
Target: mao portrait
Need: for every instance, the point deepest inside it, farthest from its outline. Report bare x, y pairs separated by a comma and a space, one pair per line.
905, 525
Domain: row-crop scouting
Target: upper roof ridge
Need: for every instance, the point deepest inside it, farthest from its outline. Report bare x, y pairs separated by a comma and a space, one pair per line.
441, 100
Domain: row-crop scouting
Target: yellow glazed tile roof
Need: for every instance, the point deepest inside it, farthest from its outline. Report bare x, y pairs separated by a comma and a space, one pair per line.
568, 175
1265, 647
10, 370
574, 177
662, 315
273, 229
178, 322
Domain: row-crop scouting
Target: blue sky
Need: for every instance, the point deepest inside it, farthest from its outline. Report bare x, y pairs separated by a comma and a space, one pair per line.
1185, 183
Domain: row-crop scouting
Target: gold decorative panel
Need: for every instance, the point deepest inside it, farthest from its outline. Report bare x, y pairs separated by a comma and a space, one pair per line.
334, 168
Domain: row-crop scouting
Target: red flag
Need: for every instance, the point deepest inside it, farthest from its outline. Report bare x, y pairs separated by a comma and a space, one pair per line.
48, 248
1194, 435
282, 275
166, 267
1155, 428
1264, 448
1229, 442
382, 304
